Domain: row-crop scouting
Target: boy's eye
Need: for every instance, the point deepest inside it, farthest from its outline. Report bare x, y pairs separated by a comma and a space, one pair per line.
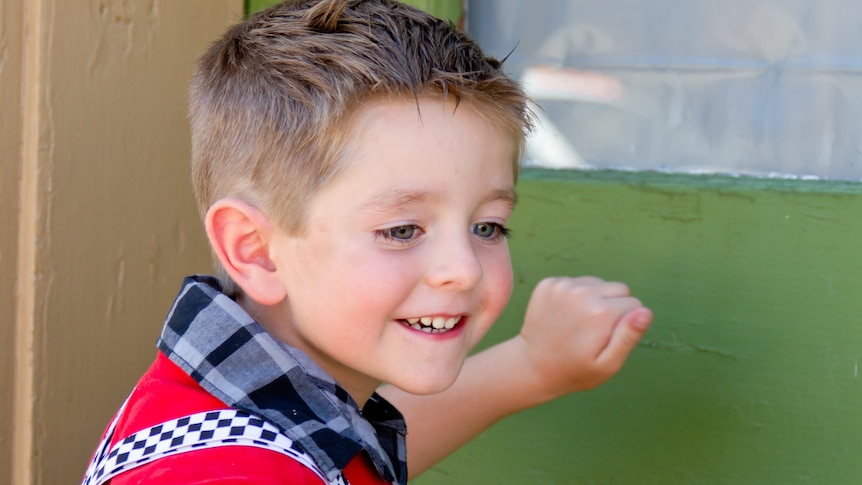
401, 236
402, 232
490, 230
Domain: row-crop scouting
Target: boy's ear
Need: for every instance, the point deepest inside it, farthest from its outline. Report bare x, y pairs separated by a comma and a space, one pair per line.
239, 234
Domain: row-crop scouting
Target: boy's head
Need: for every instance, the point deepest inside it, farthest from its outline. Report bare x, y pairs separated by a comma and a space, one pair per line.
271, 102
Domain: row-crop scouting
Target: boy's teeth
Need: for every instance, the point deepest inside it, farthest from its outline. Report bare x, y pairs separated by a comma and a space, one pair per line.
433, 324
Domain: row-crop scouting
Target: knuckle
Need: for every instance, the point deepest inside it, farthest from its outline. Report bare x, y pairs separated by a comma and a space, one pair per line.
547, 283
589, 280
600, 311
623, 288
583, 291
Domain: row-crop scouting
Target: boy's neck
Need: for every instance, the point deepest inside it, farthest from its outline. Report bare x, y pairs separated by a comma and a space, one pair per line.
272, 318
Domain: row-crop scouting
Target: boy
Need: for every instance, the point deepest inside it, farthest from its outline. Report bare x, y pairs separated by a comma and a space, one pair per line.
355, 164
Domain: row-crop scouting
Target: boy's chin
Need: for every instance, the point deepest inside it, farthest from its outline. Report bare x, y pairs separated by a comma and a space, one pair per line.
425, 391
429, 386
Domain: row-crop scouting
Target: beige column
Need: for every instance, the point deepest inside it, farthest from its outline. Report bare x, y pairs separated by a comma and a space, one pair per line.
98, 221
11, 42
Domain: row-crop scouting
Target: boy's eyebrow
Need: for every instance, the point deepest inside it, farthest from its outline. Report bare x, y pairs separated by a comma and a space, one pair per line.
509, 196
391, 200
395, 199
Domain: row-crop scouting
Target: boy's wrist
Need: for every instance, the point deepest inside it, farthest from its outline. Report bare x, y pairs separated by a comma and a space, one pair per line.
528, 383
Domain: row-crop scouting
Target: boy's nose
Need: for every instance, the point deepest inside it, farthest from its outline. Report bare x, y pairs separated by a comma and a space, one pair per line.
454, 264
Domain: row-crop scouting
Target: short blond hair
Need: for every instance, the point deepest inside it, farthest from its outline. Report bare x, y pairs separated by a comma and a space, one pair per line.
270, 101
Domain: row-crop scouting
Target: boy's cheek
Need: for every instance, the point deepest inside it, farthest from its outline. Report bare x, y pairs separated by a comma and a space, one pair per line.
503, 284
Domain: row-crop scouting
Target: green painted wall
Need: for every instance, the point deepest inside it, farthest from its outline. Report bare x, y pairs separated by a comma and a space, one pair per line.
751, 371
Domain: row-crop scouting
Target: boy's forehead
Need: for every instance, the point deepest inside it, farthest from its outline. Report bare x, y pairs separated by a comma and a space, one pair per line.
400, 153
389, 200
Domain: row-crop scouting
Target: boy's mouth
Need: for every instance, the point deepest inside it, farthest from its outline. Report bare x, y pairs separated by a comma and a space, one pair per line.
432, 324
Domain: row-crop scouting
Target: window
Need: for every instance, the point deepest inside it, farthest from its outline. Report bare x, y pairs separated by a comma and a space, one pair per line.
755, 87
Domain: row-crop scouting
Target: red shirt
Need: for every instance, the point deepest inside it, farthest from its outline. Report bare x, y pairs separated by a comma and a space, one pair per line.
166, 392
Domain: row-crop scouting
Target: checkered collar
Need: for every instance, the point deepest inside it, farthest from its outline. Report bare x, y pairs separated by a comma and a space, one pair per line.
218, 344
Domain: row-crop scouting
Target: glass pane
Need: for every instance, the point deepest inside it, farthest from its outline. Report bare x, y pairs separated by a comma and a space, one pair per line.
763, 87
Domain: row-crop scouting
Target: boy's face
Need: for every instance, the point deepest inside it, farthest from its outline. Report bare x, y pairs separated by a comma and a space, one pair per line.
411, 229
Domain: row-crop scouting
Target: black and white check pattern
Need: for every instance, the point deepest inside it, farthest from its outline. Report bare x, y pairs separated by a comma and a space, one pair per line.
225, 427
232, 357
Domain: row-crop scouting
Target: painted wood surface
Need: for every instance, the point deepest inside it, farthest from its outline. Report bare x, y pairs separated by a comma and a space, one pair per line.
98, 219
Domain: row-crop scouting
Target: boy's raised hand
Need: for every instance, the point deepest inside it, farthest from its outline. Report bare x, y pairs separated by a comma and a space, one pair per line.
578, 332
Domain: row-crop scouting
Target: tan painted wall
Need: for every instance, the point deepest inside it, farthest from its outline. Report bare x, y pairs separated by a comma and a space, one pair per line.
94, 185
10, 138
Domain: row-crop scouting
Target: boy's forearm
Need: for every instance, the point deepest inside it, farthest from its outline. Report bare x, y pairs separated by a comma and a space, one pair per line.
493, 384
